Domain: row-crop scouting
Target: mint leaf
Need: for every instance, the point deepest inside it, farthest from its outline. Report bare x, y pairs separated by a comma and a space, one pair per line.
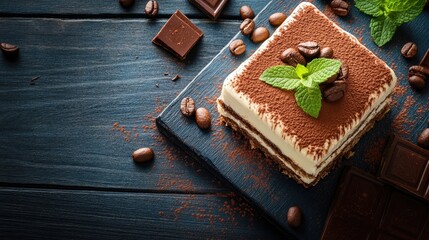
301, 71
414, 8
320, 69
283, 77
309, 99
382, 30
370, 7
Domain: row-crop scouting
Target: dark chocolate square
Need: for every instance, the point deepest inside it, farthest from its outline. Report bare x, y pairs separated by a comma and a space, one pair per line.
178, 35
211, 8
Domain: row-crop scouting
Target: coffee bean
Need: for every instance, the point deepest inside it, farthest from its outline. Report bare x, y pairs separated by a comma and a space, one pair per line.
260, 34
294, 216
423, 140
247, 26
335, 91
126, 3
417, 82
292, 57
237, 47
187, 106
340, 7
246, 12
417, 69
202, 117
309, 49
277, 19
326, 52
142, 155
9, 50
331, 79
409, 50
151, 8
344, 72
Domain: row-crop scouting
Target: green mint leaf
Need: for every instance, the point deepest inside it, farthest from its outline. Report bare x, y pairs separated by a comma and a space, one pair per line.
320, 69
309, 99
413, 9
370, 7
301, 71
382, 29
283, 77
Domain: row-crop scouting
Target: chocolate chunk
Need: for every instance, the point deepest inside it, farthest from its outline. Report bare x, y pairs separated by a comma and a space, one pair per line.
423, 140
212, 8
425, 60
409, 50
406, 166
178, 35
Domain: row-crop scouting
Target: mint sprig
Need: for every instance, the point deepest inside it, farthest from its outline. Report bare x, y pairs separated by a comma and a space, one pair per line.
388, 15
304, 81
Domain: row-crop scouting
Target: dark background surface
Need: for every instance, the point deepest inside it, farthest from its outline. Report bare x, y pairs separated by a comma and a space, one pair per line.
65, 142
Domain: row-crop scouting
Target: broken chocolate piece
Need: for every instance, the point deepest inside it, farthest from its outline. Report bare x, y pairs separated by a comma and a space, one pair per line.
211, 8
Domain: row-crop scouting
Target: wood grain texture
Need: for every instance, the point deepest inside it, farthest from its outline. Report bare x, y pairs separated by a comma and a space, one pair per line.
59, 214
255, 177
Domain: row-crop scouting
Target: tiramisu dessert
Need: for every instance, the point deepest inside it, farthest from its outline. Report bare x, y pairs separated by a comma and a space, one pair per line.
307, 95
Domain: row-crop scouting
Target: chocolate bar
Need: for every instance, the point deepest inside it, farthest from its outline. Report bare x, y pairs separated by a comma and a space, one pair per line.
406, 166
365, 208
211, 8
425, 60
178, 35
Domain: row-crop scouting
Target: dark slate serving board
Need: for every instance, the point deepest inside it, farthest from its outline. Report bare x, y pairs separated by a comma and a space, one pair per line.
229, 157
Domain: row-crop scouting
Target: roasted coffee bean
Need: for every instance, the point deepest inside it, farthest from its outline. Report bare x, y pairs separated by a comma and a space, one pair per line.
309, 49
247, 26
126, 3
417, 82
151, 8
277, 19
260, 34
202, 117
292, 57
417, 69
294, 216
326, 52
335, 91
142, 155
409, 50
331, 79
9, 50
187, 106
340, 7
246, 12
237, 47
344, 72
423, 140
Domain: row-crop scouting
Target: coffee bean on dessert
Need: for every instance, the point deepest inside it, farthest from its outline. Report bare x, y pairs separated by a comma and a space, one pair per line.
151, 8
247, 26
292, 57
202, 117
294, 216
344, 72
331, 79
277, 19
340, 7
335, 91
142, 155
187, 106
246, 12
326, 52
126, 3
417, 82
309, 49
9, 50
237, 47
423, 140
260, 34
409, 50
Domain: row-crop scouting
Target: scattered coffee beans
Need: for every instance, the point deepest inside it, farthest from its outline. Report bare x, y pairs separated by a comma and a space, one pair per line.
260, 34
292, 57
335, 91
151, 8
409, 50
340, 7
247, 26
202, 118
277, 19
423, 140
309, 49
326, 52
126, 3
187, 106
237, 47
294, 216
246, 12
417, 82
418, 70
142, 155
9, 50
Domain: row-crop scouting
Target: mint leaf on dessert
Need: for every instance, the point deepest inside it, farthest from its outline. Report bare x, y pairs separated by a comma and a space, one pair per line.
301, 71
370, 7
382, 30
283, 77
320, 69
309, 99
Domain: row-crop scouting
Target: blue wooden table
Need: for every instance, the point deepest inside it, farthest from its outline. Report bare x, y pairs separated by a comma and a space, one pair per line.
66, 142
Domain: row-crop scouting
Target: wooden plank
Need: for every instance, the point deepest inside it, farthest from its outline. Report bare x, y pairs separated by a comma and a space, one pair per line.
58, 214
95, 74
102, 8
255, 177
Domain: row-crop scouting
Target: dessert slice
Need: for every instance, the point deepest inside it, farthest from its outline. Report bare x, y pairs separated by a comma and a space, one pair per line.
306, 146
